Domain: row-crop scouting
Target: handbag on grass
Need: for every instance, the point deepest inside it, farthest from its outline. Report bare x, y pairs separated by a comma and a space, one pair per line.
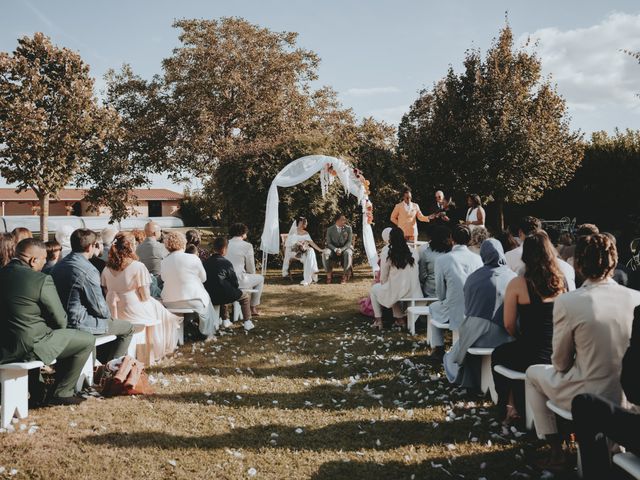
124, 376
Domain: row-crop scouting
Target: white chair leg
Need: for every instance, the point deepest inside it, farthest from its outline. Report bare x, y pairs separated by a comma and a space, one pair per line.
429, 331
237, 312
86, 375
411, 322
181, 331
486, 378
15, 395
217, 321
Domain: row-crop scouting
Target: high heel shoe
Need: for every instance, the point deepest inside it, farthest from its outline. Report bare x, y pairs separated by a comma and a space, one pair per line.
377, 325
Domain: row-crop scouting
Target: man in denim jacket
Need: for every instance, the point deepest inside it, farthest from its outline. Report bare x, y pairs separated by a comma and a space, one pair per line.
78, 285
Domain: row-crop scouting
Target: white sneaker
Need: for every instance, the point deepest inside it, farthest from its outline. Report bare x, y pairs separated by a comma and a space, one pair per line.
248, 325
226, 323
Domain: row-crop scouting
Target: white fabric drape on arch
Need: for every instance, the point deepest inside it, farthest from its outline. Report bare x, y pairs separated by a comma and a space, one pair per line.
297, 172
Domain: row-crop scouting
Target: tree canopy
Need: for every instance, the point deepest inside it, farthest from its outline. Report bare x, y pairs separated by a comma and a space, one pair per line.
497, 129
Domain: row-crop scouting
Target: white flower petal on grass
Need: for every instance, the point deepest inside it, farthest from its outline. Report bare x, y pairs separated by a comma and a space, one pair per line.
252, 472
298, 431
173, 463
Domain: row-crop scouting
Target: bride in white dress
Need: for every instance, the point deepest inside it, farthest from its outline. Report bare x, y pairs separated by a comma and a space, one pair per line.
299, 246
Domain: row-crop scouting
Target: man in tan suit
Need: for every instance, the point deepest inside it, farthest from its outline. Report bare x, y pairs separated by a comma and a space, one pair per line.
406, 214
591, 331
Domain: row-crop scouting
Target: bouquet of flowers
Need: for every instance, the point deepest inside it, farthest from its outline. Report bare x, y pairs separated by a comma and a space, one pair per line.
300, 247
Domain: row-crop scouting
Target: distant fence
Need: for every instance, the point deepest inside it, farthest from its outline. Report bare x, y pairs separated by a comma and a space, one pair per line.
32, 222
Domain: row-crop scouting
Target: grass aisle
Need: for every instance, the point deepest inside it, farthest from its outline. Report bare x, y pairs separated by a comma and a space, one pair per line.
312, 392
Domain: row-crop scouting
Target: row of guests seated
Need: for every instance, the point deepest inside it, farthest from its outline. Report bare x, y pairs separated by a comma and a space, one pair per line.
56, 316
569, 342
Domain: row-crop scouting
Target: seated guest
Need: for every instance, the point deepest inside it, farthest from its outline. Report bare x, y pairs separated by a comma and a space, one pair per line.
597, 419
183, 276
139, 235
385, 238
78, 285
482, 326
223, 285
20, 233
7, 248
53, 255
439, 245
126, 282
97, 260
565, 240
108, 234
591, 330
507, 241
406, 214
478, 235
526, 227
530, 298
33, 322
194, 238
452, 271
619, 275
398, 279
63, 237
583, 230
339, 248
151, 252
240, 254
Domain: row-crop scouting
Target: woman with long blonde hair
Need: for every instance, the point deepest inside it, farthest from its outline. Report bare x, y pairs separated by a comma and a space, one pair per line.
127, 281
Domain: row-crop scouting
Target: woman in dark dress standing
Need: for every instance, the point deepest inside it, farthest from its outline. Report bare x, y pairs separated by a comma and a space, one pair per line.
529, 297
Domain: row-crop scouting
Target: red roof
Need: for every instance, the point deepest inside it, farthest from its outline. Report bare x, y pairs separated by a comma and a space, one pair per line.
76, 194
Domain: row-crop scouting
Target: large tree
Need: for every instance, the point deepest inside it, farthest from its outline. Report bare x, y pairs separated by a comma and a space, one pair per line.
498, 129
51, 125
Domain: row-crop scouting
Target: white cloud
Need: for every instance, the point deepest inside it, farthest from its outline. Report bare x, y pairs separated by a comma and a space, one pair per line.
391, 115
588, 64
368, 92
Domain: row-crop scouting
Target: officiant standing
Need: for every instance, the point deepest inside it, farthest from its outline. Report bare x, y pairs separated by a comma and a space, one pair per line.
339, 248
406, 214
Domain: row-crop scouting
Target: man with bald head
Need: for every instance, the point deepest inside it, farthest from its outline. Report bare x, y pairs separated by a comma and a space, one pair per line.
151, 251
33, 322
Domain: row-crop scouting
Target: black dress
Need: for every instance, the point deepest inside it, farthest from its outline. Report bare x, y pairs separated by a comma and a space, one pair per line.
532, 346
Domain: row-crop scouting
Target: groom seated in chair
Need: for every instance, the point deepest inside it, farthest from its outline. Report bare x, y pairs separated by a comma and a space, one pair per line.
339, 248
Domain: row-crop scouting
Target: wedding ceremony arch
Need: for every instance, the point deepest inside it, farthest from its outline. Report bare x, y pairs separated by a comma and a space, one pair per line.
329, 168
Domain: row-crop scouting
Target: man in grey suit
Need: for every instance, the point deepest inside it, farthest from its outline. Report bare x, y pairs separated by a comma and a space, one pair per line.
151, 252
452, 271
338, 248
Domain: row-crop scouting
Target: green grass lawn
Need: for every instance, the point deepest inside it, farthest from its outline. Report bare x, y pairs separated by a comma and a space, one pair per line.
312, 392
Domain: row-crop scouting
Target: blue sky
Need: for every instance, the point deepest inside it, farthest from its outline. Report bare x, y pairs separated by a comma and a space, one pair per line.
376, 54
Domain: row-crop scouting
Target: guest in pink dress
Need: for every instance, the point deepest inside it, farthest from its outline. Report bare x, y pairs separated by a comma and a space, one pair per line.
127, 281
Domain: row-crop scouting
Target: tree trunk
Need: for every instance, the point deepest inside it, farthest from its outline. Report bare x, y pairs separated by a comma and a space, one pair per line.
44, 216
500, 205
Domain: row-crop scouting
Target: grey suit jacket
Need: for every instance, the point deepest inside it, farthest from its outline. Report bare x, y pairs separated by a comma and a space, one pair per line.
452, 270
337, 239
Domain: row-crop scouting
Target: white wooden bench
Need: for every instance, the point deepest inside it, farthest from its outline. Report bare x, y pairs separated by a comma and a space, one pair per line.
520, 376
486, 377
183, 312
86, 375
237, 311
14, 379
441, 326
417, 307
628, 462
413, 313
140, 346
